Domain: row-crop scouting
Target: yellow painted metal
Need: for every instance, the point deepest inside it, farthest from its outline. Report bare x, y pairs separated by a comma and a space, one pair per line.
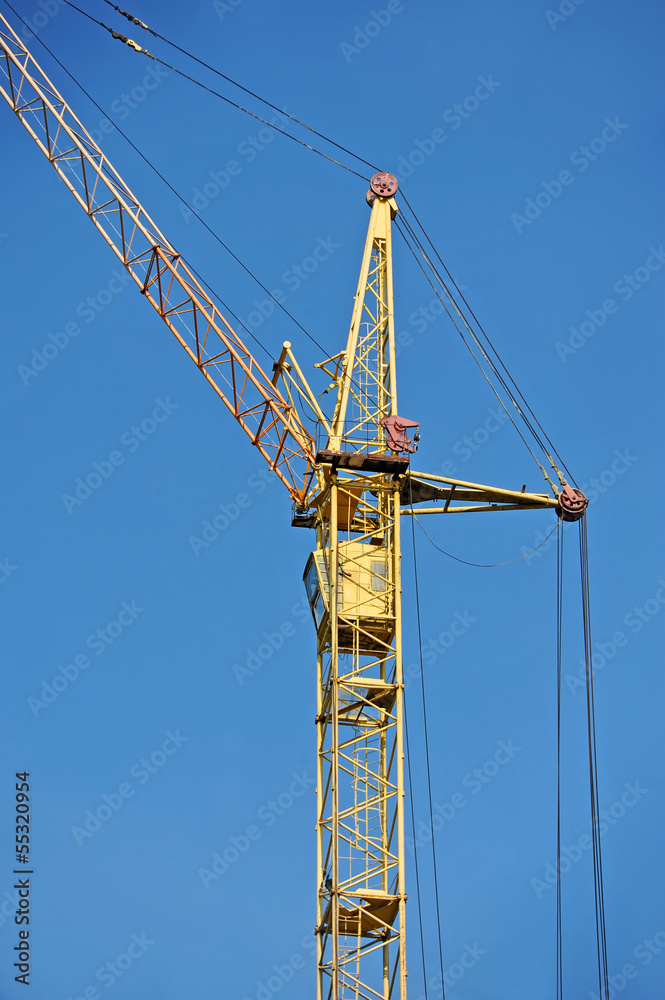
479, 508
366, 390
360, 795
491, 492
361, 893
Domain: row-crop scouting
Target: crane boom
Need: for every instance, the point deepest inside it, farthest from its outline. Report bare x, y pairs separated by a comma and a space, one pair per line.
167, 282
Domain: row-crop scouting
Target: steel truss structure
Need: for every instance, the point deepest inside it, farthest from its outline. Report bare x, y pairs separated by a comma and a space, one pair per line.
156, 267
360, 780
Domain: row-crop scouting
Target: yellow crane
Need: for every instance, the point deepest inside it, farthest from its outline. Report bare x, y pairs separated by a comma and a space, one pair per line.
352, 485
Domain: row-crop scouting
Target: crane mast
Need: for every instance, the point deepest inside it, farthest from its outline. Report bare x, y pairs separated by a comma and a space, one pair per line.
353, 585
352, 485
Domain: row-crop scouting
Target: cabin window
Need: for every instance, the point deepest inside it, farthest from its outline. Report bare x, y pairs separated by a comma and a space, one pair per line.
379, 582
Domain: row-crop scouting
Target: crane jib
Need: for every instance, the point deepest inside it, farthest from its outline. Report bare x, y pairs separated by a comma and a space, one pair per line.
156, 267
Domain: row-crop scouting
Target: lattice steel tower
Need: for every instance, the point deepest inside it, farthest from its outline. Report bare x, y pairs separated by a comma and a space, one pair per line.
353, 585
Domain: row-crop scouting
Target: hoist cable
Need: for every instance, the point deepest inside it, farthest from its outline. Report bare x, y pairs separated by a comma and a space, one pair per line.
235, 83
486, 336
499, 376
426, 734
215, 93
471, 351
559, 657
415, 845
598, 881
524, 555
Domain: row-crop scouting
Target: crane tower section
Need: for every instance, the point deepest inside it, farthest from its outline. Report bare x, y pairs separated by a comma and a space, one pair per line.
353, 586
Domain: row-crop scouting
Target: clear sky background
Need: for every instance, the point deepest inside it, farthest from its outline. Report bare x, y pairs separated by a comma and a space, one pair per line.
550, 83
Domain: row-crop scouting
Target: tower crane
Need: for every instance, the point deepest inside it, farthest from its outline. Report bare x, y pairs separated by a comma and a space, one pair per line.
351, 485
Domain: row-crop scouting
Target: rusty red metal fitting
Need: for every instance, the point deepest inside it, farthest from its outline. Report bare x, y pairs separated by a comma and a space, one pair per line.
396, 437
385, 185
572, 504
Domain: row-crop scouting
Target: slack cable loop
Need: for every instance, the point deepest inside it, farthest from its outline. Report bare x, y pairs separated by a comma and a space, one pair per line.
483, 565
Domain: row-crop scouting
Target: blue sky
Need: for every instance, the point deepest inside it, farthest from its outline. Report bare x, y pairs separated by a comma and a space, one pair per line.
529, 140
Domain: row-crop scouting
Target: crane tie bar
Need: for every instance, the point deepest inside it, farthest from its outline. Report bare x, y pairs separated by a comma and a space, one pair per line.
128, 41
134, 20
